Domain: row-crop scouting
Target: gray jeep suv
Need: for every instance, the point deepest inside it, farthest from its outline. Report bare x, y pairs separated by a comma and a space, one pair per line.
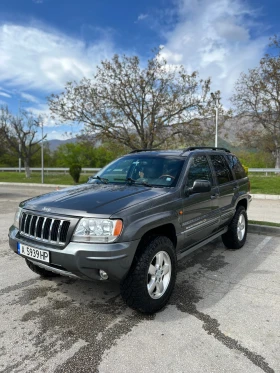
133, 220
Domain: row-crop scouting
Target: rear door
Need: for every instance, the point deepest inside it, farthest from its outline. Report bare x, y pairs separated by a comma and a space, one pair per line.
200, 210
227, 187
239, 172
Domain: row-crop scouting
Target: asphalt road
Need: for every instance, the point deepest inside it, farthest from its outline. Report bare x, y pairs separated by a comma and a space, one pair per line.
222, 317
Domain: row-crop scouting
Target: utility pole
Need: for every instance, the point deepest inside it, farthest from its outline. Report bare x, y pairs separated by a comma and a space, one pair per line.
19, 141
216, 99
42, 153
19, 156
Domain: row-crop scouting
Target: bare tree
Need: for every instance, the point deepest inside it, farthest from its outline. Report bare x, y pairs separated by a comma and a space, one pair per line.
19, 134
134, 106
257, 100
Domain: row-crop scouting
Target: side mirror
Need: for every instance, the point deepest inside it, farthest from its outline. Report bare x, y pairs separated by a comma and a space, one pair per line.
199, 186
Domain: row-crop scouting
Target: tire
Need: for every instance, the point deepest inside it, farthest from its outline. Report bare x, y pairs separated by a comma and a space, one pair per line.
40, 271
236, 235
155, 266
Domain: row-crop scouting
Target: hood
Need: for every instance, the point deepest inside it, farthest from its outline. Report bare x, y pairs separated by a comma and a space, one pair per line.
91, 199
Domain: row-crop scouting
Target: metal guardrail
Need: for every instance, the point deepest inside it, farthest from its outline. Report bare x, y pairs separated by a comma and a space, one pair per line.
49, 169
93, 170
264, 170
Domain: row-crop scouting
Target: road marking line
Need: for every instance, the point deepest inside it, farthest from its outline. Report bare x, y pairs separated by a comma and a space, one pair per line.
262, 245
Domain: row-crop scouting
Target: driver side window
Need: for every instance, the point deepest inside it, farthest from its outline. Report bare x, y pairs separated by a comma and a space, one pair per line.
199, 170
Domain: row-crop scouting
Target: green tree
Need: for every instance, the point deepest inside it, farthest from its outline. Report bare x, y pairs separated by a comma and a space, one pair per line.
138, 107
19, 135
257, 101
257, 159
36, 157
84, 154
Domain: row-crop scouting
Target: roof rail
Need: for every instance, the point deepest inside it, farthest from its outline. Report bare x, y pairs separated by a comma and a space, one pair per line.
141, 150
204, 147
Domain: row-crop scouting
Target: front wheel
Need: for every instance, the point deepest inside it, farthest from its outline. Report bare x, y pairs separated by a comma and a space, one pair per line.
236, 235
150, 282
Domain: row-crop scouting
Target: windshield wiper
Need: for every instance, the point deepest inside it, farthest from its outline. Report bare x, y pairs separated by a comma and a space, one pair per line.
141, 182
131, 180
102, 179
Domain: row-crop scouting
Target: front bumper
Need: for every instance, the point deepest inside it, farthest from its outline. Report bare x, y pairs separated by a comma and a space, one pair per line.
83, 260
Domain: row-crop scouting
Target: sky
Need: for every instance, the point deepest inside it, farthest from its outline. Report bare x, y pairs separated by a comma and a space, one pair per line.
46, 43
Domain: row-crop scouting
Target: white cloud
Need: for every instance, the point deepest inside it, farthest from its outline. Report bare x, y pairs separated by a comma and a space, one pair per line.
5, 94
35, 59
29, 98
53, 126
57, 135
214, 38
142, 16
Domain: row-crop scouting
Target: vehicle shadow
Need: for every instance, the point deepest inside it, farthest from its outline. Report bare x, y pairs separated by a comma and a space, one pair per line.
70, 311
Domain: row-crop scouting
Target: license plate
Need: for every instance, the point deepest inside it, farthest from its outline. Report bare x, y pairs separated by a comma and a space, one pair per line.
33, 253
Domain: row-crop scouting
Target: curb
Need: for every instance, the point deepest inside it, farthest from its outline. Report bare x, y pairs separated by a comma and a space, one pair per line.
266, 196
264, 229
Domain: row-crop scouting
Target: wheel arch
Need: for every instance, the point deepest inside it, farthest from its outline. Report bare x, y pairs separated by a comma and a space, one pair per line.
243, 202
167, 230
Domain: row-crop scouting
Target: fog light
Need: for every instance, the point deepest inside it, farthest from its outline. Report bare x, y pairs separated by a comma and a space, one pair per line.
103, 275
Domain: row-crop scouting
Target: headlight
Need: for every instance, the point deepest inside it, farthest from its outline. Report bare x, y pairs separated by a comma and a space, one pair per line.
17, 216
97, 230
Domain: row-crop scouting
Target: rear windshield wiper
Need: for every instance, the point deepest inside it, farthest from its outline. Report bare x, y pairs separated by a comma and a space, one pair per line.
102, 179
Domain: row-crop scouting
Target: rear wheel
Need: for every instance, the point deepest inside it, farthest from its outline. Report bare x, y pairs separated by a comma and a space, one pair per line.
150, 282
40, 271
236, 235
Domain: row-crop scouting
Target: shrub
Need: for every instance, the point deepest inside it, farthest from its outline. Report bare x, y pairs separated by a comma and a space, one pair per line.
75, 172
246, 169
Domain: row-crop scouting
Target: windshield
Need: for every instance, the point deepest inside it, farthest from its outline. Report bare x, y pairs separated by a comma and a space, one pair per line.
150, 171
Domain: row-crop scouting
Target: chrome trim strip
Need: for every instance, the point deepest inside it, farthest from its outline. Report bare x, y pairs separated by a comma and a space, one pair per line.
201, 224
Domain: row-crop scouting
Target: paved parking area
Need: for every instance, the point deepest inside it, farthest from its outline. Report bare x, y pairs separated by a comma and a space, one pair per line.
222, 317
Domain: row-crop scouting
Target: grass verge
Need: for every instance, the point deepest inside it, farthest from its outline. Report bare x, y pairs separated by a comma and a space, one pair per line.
261, 184
270, 224
50, 178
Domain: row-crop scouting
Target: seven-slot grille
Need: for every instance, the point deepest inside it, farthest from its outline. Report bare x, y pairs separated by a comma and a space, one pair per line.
50, 230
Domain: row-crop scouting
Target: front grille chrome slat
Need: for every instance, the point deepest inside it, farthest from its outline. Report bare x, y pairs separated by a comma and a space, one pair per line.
50, 233
30, 225
24, 227
43, 226
59, 230
44, 229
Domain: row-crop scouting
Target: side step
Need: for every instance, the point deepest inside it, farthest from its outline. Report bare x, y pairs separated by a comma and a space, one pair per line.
186, 252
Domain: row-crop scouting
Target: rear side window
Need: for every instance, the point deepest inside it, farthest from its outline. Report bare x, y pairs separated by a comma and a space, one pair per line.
223, 172
199, 170
236, 167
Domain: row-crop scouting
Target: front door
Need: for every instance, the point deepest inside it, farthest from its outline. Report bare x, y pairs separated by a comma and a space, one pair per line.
200, 210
